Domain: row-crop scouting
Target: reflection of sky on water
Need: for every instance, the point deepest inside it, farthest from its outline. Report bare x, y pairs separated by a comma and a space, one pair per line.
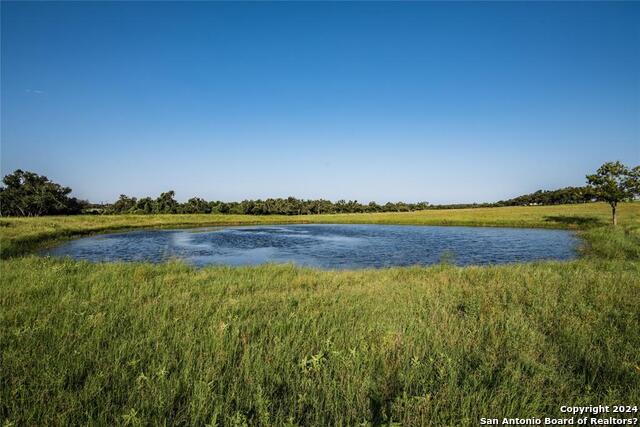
326, 246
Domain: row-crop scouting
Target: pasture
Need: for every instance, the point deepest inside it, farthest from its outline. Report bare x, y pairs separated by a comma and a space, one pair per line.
168, 344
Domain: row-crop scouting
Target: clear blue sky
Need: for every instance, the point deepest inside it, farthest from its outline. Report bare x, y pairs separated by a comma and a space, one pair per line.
442, 102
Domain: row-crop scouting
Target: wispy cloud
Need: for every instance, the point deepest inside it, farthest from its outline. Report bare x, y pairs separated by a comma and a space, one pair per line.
34, 91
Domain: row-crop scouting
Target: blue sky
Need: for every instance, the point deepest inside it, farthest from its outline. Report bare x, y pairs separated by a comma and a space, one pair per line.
441, 102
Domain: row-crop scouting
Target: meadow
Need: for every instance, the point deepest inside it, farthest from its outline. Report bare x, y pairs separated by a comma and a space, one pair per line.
168, 344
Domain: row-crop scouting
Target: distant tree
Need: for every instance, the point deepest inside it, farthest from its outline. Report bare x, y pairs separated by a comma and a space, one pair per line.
634, 181
235, 208
166, 203
390, 207
224, 208
249, 207
613, 183
561, 196
402, 207
29, 194
124, 204
340, 206
323, 206
195, 205
144, 205
353, 206
293, 206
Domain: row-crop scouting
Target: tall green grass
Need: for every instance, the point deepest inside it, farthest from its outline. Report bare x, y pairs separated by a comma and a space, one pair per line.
274, 345
141, 344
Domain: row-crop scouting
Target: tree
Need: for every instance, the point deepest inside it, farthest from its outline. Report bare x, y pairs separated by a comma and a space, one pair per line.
166, 203
224, 208
613, 183
196, 205
144, 205
124, 204
29, 194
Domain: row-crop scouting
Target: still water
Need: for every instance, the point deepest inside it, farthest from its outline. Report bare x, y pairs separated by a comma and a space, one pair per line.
329, 246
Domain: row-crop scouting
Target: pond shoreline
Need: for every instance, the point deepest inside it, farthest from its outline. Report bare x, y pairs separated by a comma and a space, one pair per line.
21, 236
327, 246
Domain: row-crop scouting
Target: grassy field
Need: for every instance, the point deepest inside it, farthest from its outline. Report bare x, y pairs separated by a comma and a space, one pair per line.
141, 344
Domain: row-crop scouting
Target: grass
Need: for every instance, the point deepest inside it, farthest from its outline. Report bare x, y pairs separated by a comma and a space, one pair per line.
141, 344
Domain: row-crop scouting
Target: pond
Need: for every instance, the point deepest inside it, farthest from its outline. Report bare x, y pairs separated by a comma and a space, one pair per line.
327, 246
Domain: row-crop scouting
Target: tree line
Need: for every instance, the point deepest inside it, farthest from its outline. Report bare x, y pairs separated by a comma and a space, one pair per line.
166, 203
562, 196
29, 194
